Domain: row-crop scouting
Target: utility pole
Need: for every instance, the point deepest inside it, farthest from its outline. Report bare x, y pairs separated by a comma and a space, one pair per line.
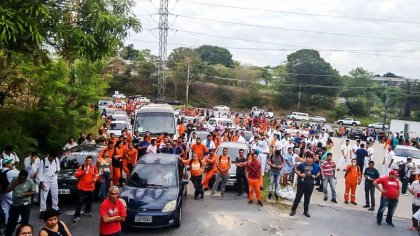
300, 90
386, 107
163, 44
188, 86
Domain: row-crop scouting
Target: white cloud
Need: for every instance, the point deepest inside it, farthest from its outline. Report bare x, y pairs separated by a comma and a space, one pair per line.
391, 10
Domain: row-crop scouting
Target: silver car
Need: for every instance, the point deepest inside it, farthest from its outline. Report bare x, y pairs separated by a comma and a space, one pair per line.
233, 152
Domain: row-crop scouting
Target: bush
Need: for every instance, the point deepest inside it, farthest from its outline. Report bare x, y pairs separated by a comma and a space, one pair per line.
340, 111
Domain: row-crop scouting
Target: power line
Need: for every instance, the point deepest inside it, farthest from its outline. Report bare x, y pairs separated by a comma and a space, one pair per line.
292, 29
302, 13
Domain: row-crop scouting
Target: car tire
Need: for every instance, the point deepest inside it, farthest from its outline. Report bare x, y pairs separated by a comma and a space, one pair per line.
340, 123
354, 124
178, 217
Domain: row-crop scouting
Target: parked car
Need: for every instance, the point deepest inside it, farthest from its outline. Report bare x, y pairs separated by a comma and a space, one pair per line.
104, 104
298, 116
174, 102
118, 126
222, 108
69, 162
377, 125
317, 119
154, 192
233, 152
117, 116
357, 134
401, 154
269, 114
202, 135
348, 121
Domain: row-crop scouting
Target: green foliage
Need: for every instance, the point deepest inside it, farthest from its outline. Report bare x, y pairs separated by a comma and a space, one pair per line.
359, 77
214, 55
358, 107
252, 99
340, 111
223, 71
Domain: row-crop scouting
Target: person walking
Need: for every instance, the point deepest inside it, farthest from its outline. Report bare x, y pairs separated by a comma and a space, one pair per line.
104, 166
112, 212
196, 170
307, 173
389, 199
22, 188
209, 169
346, 153
254, 174
415, 191
223, 164
53, 225
87, 175
276, 163
328, 177
241, 180
352, 177
371, 174
361, 154
47, 179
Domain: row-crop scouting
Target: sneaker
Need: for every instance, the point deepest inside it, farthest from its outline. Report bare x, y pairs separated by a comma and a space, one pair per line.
269, 196
202, 195
250, 202
306, 214
346, 202
277, 197
366, 206
390, 224
222, 194
333, 200
378, 223
195, 197
406, 194
292, 213
260, 203
76, 219
88, 214
325, 198
338, 169
320, 190
413, 228
239, 194
371, 209
212, 195
354, 203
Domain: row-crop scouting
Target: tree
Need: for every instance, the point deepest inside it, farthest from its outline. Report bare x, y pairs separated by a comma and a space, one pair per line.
130, 53
391, 75
215, 55
358, 78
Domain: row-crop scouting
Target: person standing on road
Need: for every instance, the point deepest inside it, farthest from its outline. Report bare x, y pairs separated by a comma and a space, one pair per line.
405, 172
152, 148
415, 190
8, 174
352, 177
370, 150
389, 199
209, 169
196, 170
361, 154
223, 164
112, 213
371, 174
241, 180
31, 164
346, 153
262, 157
328, 177
199, 148
104, 165
307, 173
53, 226
254, 173
87, 175
276, 163
22, 188
388, 160
47, 179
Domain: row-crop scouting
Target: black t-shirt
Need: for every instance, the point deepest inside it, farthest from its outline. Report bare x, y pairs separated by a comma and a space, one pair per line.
309, 170
240, 169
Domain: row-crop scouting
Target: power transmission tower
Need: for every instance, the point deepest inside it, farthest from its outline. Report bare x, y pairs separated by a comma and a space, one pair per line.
163, 44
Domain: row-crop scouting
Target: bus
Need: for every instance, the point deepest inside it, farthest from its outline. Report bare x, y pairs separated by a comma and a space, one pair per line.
155, 118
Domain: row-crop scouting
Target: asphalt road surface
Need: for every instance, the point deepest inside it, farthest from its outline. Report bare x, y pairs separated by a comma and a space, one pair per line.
232, 215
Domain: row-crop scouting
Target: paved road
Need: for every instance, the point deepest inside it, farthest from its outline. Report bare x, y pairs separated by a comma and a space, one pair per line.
232, 216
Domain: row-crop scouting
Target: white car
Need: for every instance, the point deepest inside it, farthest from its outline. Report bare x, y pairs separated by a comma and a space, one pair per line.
104, 104
317, 119
222, 108
401, 154
119, 117
117, 126
348, 121
142, 100
377, 125
269, 114
298, 116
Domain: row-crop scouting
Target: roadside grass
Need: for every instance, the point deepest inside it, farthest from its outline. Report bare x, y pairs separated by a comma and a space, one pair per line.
281, 203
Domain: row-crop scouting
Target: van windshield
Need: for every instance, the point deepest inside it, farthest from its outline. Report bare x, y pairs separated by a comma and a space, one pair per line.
155, 123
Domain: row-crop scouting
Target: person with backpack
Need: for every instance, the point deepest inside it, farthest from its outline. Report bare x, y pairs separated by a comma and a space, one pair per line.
196, 170
223, 164
7, 174
405, 170
353, 177
48, 181
87, 176
241, 180
276, 163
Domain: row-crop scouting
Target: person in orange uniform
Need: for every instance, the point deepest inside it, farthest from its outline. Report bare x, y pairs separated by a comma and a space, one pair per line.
199, 149
236, 120
216, 138
87, 175
109, 148
223, 164
181, 129
235, 137
210, 168
245, 121
196, 170
254, 174
353, 177
117, 163
131, 158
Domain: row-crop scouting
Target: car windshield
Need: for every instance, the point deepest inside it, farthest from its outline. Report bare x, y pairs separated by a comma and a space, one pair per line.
119, 117
407, 153
117, 126
155, 123
153, 175
232, 153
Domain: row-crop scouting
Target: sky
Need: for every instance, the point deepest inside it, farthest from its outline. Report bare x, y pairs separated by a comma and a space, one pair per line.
380, 36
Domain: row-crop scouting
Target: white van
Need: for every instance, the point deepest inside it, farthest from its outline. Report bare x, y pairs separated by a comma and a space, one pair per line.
298, 116
215, 122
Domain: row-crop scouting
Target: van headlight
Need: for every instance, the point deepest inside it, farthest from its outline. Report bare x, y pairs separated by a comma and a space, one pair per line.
170, 206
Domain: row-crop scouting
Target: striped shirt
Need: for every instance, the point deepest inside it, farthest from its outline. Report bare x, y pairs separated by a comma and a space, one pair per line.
328, 168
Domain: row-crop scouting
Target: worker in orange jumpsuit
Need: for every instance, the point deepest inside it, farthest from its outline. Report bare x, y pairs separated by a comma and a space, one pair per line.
181, 129
217, 139
235, 137
109, 148
130, 159
117, 163
199, 148
236, 120
245, 121
254, 175
209, 169
353, 177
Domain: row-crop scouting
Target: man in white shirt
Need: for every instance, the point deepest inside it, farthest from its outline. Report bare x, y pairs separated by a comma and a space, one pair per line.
370, 151
9, 154
388, 160
209, 143
89, 140
262, 156
6, 197
69, 144
31, 164
355, 147
242, 137
152, 148
47, 177
346, 155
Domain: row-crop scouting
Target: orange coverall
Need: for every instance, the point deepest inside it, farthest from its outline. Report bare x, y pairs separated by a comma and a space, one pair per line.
210, 173
353, 178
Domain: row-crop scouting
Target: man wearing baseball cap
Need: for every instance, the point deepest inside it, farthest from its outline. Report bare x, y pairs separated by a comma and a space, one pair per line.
389, 199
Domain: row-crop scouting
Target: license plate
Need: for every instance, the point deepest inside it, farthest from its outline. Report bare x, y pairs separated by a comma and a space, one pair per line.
143, 219
230, 183
64, 191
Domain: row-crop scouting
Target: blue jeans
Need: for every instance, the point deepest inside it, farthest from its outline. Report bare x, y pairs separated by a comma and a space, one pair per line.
391, 204
104, 186
329, 180
274, 183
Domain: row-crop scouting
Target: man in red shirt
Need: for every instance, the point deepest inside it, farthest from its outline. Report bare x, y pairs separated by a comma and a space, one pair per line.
389, 199
112, 213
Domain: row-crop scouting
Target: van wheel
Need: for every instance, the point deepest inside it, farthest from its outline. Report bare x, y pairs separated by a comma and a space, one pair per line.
178, 218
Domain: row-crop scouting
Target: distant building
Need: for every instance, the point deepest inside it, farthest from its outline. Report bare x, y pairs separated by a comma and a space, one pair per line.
393, 81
